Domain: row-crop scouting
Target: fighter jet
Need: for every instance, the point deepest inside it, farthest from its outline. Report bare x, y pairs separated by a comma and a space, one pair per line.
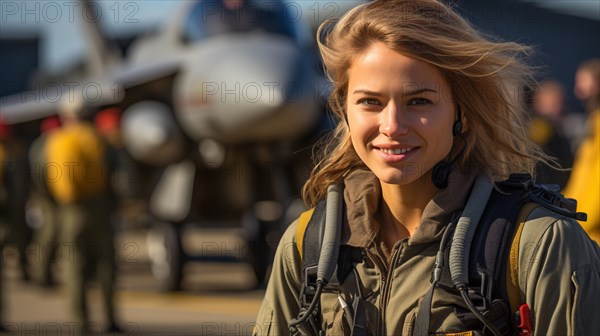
214, 105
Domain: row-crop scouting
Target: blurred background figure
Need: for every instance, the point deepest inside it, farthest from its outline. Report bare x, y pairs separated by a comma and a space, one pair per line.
124, 173
42, 207
584, 184
15, 234
4, 133
122, 168
545, 129
84, 212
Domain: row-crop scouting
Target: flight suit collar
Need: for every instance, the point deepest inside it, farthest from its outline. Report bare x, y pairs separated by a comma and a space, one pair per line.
362, 195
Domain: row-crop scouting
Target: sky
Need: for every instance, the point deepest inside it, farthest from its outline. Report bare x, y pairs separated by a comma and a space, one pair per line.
59, 27
58, 24
63, 44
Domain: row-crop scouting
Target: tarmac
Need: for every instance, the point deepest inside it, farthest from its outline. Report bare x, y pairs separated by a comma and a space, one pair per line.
217, 299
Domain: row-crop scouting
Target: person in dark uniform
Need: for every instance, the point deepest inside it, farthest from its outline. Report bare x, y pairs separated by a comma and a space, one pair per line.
45, 222
15, 185
4, 133
84, 212
545, 130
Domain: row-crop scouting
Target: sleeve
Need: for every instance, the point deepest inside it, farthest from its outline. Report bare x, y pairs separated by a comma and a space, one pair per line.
281, 301
562, 279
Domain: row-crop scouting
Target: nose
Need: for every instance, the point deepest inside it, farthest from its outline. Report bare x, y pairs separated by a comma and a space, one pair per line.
392, 121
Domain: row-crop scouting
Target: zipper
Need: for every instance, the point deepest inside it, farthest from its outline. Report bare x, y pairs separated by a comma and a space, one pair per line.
380, 264
386, 280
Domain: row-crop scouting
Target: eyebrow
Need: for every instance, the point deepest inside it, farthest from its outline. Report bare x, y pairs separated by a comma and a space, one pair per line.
406, 93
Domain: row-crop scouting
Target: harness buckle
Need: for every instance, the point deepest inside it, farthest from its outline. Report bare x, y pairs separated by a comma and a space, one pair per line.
309, 285
481, 295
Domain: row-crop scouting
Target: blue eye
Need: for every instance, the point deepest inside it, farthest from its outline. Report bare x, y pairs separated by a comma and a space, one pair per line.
419, 101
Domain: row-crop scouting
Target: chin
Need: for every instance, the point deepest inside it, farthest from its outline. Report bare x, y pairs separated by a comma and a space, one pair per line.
396, 177
401, 176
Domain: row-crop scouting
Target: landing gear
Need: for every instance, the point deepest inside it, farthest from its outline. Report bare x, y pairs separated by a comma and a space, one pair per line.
259, 252
166, 255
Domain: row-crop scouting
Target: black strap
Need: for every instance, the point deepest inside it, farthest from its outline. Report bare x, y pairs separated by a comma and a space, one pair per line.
311, 249
491, 243
359, 321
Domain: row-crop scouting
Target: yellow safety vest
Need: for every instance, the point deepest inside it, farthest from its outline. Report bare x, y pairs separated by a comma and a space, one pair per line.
76, 167
584, 183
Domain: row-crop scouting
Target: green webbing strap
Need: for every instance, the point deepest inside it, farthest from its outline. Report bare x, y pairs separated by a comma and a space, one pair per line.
424, 314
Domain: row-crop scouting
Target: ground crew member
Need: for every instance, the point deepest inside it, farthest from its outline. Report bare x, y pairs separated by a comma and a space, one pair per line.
584, 184
4, 133
16, 185
84, 212
545, 130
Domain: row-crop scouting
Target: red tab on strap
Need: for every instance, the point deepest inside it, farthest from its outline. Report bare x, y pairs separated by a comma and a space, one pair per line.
524, 327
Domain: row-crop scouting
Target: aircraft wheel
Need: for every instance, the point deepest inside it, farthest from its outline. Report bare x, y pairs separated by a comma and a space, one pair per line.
260, 259
260, 254
166, 255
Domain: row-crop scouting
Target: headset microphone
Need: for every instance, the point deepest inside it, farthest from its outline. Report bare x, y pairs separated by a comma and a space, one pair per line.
440, 174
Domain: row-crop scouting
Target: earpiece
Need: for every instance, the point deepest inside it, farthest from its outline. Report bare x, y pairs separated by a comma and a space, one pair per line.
457, 128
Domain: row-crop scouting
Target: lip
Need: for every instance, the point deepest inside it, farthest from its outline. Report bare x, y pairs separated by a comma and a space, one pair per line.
385, 152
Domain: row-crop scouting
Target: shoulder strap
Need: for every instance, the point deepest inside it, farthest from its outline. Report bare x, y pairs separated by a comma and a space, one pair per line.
309, 235
491, 243
308, 244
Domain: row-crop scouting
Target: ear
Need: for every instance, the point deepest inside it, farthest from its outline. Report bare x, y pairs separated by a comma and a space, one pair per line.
461, 124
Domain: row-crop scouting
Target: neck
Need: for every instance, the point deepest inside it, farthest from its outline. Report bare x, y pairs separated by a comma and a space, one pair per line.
402, 207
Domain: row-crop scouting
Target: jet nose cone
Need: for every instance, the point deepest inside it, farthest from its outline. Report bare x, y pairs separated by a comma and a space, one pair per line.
246, 87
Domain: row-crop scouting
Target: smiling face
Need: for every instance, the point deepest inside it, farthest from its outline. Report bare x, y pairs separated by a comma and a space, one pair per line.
400, 114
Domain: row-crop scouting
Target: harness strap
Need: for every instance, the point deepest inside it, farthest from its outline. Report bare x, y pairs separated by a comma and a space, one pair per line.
421, 327
311, 251
309, 237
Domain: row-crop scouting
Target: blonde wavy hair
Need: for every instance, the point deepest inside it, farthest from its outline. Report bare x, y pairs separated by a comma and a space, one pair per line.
487, 79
